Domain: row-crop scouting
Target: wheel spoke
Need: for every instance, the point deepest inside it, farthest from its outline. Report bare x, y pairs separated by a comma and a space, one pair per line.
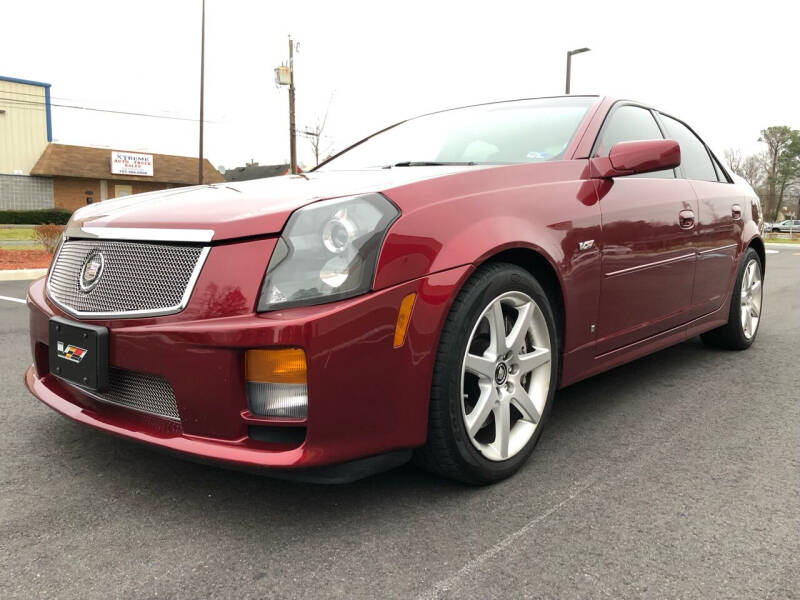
502, 420
533, 360
524, 403
481, 366
516, 338
477, 418
755, 287
756, 304
497, 324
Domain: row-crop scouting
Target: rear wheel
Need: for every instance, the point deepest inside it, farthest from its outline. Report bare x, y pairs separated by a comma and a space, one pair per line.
745, 311
494, 378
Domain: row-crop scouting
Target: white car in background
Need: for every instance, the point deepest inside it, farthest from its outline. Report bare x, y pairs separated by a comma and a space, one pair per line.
787, 226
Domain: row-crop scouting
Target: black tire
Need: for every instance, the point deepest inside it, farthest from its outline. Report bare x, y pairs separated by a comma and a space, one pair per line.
775, 230
731, 335
448, 450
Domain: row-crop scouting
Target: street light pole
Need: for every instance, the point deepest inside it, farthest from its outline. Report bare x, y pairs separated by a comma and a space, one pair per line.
569, 63
202, 82
292, 138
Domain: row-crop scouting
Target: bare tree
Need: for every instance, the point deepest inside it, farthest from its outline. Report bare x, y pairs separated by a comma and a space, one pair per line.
315, 134
753, 170
750, 168
316, 139
734, 159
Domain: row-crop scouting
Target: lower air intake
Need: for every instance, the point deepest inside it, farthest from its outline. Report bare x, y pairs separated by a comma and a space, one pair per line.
149, 394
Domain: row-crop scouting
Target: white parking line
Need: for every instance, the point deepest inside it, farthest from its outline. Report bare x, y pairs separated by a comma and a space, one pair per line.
12, 299
441, 588
768, 251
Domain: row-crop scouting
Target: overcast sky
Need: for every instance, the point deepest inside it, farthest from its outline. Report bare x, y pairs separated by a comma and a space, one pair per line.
729, 69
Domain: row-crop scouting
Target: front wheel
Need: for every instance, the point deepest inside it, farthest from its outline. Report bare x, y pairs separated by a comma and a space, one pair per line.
494, 377
745, 312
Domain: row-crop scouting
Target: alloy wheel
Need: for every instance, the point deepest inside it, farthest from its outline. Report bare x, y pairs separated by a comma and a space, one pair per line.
505, 376
751, 293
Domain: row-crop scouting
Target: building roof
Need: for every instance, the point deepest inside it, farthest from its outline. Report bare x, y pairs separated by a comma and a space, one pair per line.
255, 172
24, 81
95, 163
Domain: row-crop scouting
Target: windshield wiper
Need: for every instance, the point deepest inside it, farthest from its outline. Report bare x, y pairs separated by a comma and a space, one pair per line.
428, 163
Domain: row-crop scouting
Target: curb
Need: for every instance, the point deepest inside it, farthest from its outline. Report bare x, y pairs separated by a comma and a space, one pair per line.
21, 274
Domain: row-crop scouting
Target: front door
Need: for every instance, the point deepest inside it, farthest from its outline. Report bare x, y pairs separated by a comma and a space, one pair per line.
648, 254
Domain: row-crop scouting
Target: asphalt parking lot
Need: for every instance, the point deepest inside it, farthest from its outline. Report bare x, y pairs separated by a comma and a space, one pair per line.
674, 476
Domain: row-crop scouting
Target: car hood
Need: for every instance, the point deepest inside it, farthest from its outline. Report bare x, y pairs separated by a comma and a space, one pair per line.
247, 208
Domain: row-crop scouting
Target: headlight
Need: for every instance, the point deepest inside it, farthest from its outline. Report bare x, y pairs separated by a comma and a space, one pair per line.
327, 252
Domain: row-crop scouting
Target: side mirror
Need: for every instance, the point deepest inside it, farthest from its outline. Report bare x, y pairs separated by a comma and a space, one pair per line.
629, 158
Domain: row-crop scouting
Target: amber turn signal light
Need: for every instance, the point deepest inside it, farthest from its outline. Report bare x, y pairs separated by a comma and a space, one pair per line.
403, 319
276, 366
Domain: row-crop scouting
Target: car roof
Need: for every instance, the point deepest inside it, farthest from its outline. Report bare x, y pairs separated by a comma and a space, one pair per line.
508, 101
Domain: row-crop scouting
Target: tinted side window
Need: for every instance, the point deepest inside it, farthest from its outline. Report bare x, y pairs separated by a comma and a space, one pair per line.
695, 160
630, 124
627, 124
721, 177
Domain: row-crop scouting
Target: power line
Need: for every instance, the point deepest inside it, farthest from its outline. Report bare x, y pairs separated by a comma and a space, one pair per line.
35, 95
41, 96
31, 104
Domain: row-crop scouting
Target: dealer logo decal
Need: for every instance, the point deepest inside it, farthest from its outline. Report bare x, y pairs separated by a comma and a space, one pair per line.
70, 352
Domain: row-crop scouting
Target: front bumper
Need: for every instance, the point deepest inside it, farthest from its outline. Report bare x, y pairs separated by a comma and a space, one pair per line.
366, 398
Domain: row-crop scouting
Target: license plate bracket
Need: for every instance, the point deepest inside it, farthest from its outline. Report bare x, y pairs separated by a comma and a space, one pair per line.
79, 353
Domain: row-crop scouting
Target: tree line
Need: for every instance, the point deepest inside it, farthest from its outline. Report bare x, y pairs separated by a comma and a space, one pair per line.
773, 173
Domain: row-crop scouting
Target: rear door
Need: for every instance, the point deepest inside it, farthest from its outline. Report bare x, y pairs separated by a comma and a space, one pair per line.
719, 218
648, 254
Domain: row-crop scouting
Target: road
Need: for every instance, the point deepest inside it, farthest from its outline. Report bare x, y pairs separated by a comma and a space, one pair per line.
674, 476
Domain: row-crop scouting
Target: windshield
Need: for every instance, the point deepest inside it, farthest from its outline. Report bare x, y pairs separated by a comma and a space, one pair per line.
523, 131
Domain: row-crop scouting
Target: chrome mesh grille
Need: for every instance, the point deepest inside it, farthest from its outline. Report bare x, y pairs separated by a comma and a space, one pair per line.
146, 393
137, 278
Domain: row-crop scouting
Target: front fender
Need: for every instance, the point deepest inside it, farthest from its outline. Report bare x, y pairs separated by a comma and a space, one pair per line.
551, 219
408, 254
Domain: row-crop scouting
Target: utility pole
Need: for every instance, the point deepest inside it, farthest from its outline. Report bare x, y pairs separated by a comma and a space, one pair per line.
569, 63
292, 135
284, 75
202, 82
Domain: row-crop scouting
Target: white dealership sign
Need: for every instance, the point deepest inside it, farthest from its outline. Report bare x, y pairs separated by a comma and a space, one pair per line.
131, 163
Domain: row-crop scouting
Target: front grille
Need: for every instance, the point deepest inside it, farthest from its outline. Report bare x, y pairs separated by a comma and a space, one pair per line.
149, 394
137, 279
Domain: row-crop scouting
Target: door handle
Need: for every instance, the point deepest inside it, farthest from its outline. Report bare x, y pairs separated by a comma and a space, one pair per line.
686, 219
736, 211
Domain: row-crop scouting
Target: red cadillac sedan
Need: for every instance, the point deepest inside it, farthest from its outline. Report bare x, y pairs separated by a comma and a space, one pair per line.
423, 294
